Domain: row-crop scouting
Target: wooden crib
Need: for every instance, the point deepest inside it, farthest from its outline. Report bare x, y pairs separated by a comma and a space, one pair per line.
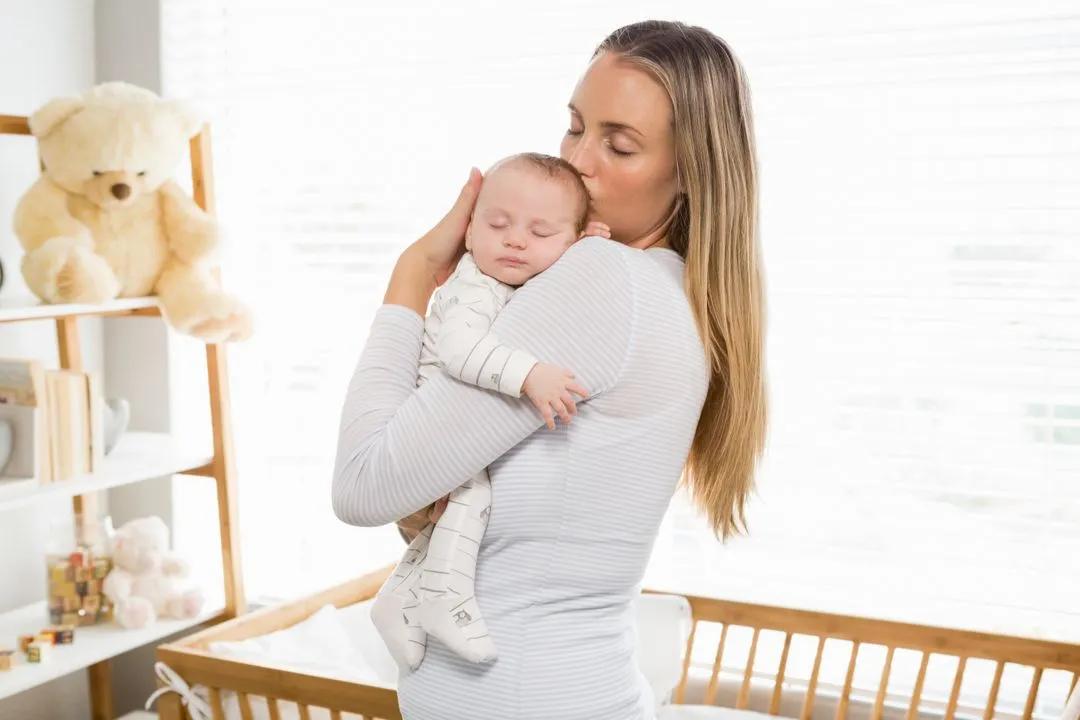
190, 659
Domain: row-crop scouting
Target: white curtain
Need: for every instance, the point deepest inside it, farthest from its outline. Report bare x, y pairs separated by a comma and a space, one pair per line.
920, 167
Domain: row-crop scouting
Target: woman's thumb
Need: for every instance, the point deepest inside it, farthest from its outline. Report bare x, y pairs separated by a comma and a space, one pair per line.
469, 191
457, 218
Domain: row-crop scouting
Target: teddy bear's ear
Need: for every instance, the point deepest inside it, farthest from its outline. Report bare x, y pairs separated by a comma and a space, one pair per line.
52, 113
191, 120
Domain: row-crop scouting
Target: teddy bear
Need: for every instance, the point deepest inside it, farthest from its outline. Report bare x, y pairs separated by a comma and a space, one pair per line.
147, 581
105, 219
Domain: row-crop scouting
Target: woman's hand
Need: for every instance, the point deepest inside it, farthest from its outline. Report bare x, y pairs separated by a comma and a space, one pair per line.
411, 525
428, 262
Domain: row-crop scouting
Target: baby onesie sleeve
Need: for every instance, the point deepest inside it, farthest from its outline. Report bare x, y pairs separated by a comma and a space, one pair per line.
465, 345
401, 448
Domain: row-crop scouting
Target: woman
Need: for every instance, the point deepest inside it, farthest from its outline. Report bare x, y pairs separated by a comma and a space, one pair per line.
663, 327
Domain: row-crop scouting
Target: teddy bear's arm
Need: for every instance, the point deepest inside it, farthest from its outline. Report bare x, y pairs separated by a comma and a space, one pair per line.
117, 585
191, 231
42, 213
174, 566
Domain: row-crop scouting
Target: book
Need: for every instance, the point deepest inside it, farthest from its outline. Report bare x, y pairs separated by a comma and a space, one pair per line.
69, 422
96, 405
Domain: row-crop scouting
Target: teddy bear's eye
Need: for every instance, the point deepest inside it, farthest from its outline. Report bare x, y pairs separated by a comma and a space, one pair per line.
141, 173
97, 173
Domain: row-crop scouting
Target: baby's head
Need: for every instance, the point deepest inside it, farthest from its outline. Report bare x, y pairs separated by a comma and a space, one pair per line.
531, 208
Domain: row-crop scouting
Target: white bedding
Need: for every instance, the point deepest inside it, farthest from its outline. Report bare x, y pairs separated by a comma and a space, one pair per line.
343, 643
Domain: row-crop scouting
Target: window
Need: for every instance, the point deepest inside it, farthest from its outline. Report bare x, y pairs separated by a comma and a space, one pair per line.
920, 210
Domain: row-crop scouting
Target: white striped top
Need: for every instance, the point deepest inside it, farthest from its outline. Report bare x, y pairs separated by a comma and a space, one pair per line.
575, 510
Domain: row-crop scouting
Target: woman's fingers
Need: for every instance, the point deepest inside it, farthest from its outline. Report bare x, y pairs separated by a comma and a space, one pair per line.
438, 508
443, 245
457, 219
577, 388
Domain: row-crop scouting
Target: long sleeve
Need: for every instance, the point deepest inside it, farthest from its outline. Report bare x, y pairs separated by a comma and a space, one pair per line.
401, 447
469, 350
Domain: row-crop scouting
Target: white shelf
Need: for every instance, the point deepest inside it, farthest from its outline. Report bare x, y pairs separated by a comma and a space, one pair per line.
137, 456
28, 307
92, 644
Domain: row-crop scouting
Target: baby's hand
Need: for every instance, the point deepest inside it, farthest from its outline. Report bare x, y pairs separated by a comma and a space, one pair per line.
596, 227
549, 388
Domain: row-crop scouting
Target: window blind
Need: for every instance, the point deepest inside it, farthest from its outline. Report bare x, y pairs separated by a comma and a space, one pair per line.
920, 216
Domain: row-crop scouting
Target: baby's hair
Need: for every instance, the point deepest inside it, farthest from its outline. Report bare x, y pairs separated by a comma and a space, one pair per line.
556, 167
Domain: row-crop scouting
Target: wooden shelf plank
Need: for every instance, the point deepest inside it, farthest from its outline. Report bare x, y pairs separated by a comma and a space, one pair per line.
92, 644
137, 456
28, 307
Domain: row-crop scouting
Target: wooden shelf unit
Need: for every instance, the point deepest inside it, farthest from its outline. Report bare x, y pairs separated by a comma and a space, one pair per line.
94, 647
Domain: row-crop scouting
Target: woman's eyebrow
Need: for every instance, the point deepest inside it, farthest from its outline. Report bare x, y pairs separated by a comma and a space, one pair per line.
609, 125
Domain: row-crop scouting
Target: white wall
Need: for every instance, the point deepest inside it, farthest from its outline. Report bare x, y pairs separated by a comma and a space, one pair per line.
46, 49
50, 48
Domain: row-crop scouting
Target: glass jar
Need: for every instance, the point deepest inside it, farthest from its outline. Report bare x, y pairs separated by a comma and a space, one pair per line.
75, 568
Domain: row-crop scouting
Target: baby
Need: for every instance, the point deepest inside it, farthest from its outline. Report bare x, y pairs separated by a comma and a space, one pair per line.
531, 208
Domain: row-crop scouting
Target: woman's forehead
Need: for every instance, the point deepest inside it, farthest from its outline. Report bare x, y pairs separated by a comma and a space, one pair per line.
616, 92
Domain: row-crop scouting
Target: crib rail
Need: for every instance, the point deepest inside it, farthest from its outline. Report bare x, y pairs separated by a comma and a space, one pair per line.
263, 690
280, 689
1038, 655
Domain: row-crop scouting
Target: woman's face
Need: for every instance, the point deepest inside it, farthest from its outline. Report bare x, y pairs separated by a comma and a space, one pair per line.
621, 141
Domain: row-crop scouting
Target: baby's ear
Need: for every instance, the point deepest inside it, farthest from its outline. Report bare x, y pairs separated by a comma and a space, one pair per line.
468, 236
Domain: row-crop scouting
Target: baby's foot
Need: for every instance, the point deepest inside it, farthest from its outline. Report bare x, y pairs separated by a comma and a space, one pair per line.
457, 622
389, 609
416, 637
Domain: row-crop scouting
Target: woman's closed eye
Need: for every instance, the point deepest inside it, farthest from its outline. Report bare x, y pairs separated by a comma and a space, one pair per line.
607, 142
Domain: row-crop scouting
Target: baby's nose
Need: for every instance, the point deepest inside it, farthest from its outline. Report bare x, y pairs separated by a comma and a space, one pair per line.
121, 190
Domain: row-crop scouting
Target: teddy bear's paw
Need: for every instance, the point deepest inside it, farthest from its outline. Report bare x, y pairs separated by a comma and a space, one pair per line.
186, 604
85, 277
225, 319
135, 612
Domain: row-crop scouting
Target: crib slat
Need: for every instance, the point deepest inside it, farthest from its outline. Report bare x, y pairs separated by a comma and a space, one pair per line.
275, 713
1072, 685
245, 706
215, 704
305, 713
680, 691
335, 714
811, 688
845, 696
916, 693
774, 704
710, 691
744, 692
1029, 706
991, 701
883, 686
954, 696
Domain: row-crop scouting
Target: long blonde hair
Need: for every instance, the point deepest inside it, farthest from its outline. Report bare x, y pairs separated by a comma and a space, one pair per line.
715, 228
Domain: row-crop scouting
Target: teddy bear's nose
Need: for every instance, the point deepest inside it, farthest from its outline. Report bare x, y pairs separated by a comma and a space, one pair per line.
121, 190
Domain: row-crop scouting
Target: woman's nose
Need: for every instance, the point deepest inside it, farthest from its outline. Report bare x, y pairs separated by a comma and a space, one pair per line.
581, 157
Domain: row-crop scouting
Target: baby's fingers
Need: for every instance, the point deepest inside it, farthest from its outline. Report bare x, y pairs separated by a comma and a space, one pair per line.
577, 388
545, 411
561, 410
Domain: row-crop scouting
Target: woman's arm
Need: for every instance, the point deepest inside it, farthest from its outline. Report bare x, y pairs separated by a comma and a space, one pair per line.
401, 447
